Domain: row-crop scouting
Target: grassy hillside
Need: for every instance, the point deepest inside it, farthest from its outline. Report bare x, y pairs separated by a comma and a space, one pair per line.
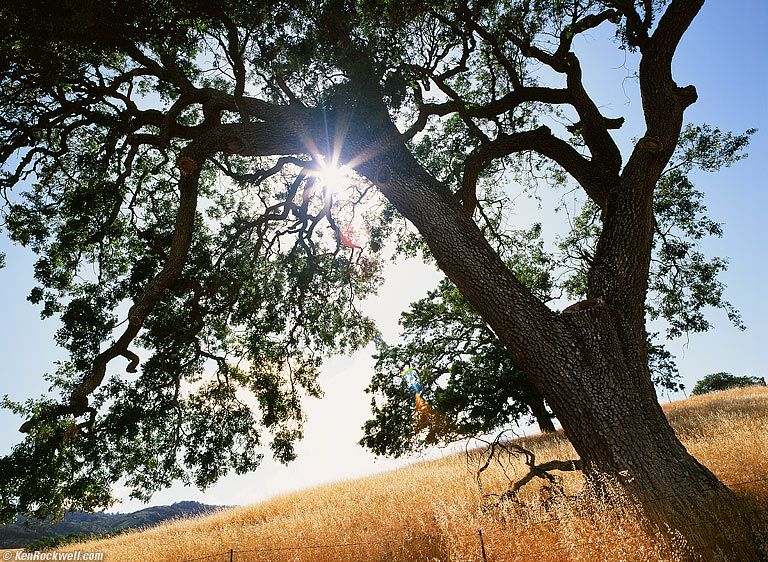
433, 510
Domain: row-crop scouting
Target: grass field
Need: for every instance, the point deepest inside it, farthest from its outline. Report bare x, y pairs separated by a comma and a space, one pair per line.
433, 510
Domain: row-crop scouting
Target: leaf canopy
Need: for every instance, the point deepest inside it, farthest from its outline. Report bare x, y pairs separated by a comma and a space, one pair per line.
171, 156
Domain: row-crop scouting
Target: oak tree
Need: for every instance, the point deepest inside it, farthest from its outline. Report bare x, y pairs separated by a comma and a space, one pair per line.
723, 381
466, 375
120, 119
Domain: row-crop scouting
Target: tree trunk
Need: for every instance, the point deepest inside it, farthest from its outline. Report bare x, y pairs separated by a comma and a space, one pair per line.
591, 365
609, 411
543, 417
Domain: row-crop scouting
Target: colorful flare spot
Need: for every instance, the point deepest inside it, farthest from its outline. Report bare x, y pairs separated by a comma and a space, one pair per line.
345, 235
425, 416
353, 237
412, 380
420, 403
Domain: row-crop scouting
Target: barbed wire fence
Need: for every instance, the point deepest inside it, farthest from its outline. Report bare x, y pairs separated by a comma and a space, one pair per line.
483, 554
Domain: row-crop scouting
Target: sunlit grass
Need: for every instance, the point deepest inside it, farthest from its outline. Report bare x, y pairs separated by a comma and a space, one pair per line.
433, 510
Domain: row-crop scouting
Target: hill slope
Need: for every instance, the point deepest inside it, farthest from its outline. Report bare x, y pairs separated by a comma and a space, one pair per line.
17, 535
433, 510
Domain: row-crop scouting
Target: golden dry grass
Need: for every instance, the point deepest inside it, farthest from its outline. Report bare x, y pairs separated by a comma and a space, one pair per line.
433, 510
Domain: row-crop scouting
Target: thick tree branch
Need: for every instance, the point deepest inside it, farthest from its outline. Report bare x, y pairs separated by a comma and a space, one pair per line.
619, 272
591, 177
455, 240
660, 94
180, 243
594, 126
672, 25
505, 104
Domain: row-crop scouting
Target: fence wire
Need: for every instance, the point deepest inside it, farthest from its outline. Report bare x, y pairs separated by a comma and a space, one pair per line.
232, 555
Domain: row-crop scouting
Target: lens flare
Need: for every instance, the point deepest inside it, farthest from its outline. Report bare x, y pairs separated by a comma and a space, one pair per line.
420, 403
425, 416
354, 237
333, 177
411, 377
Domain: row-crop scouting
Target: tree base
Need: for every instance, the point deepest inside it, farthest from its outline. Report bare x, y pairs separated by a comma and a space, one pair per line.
708, 526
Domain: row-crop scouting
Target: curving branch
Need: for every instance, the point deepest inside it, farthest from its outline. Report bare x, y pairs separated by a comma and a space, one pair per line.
586, 23
594, 126
505, 104
591, 177
180, 244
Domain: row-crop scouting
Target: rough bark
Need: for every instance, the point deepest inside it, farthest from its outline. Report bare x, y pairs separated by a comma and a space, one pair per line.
591, 363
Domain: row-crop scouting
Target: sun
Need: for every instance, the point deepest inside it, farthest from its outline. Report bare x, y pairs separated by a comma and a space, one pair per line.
333, 176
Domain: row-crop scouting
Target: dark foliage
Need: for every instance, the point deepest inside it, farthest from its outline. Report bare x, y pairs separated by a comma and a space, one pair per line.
723, 381
164, 161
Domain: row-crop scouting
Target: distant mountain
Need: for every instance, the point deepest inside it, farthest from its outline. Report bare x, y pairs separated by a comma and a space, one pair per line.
17, 535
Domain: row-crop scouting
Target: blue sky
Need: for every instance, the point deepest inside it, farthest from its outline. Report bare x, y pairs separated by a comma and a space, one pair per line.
722, 55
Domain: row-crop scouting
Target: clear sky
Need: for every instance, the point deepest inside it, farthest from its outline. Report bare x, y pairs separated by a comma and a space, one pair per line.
722, 55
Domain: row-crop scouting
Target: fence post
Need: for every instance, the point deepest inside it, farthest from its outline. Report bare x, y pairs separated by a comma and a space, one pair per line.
231, 554
482, 545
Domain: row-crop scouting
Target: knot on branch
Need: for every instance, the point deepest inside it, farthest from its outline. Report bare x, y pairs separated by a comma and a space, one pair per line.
383, 175
135, 318
687, 95
186, 165
650, 144
234, 145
